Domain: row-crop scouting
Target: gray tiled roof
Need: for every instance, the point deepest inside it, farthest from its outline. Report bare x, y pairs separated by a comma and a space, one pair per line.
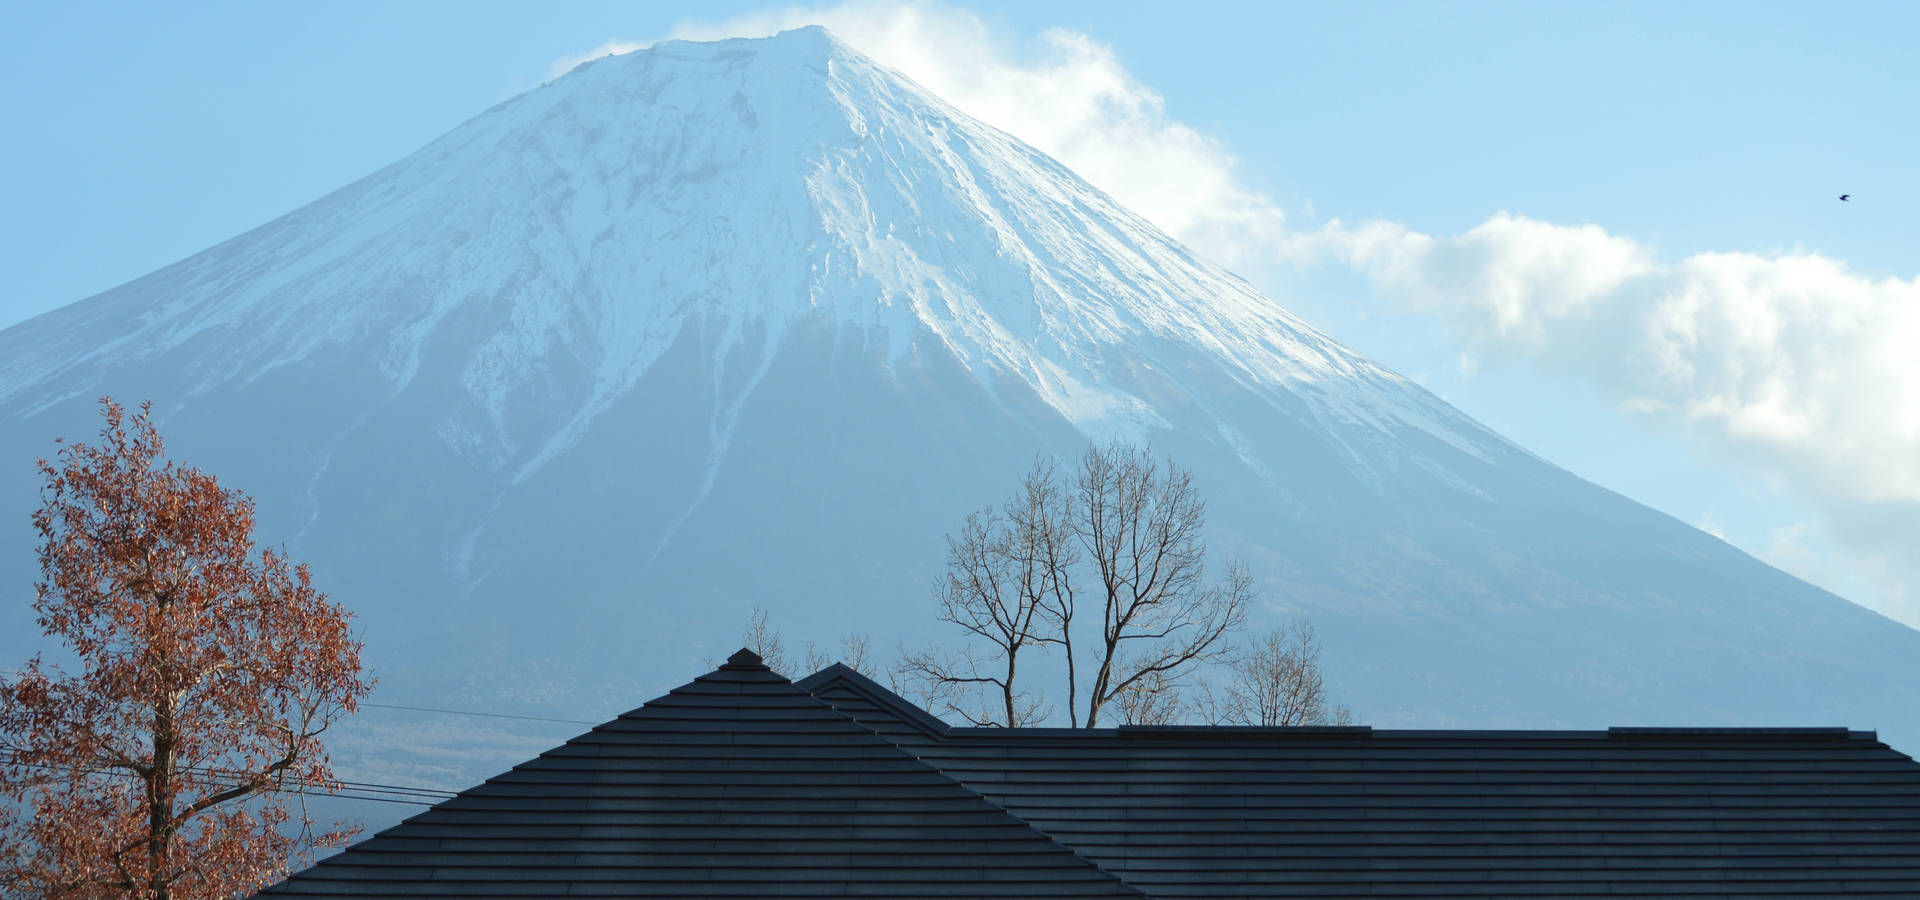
1194, 812
743, 785
737, 785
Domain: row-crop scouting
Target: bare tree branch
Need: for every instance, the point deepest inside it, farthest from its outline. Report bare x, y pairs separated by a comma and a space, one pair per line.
1125, 533
764, 640
1275, 681
1002, 588
853, 654
1140, 525
954, 685
1153, 700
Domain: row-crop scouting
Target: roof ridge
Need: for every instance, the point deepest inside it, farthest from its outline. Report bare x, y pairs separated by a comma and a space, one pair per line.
897, 700
842, 674
1721, 733
761, 703
1068, 849
845, 675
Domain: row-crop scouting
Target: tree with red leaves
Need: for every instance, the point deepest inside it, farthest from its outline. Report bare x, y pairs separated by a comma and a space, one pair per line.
169, 764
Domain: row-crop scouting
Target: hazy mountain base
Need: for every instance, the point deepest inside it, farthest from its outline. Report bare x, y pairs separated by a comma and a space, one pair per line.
608, 571
554, 402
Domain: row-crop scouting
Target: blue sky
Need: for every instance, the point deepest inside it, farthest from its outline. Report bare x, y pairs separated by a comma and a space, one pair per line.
1610, 231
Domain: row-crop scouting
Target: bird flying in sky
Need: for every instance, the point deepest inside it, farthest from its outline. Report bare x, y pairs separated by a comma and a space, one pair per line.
1843, 197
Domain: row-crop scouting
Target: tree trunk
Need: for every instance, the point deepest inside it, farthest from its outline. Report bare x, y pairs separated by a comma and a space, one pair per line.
1006, 689
160, 795
1073, 696
1097, 696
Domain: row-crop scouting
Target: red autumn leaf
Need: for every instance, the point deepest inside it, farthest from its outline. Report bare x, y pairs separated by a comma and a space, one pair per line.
168, 765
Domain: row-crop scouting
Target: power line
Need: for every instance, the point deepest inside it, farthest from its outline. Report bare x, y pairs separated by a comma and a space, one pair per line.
353, 790
344, 795
438, 709
403, 790
349, 790
464, 712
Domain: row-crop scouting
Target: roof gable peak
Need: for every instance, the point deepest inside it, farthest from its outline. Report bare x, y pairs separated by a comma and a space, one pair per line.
863, 700
745, 659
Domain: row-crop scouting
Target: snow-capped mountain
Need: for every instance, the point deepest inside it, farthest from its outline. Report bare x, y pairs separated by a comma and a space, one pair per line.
554, 401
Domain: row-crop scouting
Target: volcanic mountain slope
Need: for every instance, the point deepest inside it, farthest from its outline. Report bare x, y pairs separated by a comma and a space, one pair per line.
553, 401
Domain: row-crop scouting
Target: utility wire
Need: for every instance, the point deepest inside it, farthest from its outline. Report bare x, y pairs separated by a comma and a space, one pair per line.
357, 787
437, 709
350, 790
464, 712
212, 774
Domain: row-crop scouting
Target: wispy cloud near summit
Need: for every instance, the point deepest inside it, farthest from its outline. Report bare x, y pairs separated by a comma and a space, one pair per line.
566, 64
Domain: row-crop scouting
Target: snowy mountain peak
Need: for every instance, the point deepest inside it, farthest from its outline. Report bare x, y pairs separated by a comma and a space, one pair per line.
743, 187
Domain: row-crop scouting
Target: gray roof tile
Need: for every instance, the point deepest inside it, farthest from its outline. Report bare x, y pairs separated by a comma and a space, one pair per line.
741, 784
736, 785
1194, 812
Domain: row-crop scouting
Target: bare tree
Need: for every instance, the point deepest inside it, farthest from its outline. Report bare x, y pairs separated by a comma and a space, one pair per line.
764, 640
1153, 700
1276, 682
1140, 525
1002, 586
945, 683
1125, 534
854, 655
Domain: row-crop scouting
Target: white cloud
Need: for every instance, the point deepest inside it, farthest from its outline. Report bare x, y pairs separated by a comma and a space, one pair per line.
1710, 523
1521, 273
1792, 357
1789, 549
1789, 363
566, 64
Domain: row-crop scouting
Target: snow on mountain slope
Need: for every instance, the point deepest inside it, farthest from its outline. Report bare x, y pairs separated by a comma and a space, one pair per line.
593, 241
553, 401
